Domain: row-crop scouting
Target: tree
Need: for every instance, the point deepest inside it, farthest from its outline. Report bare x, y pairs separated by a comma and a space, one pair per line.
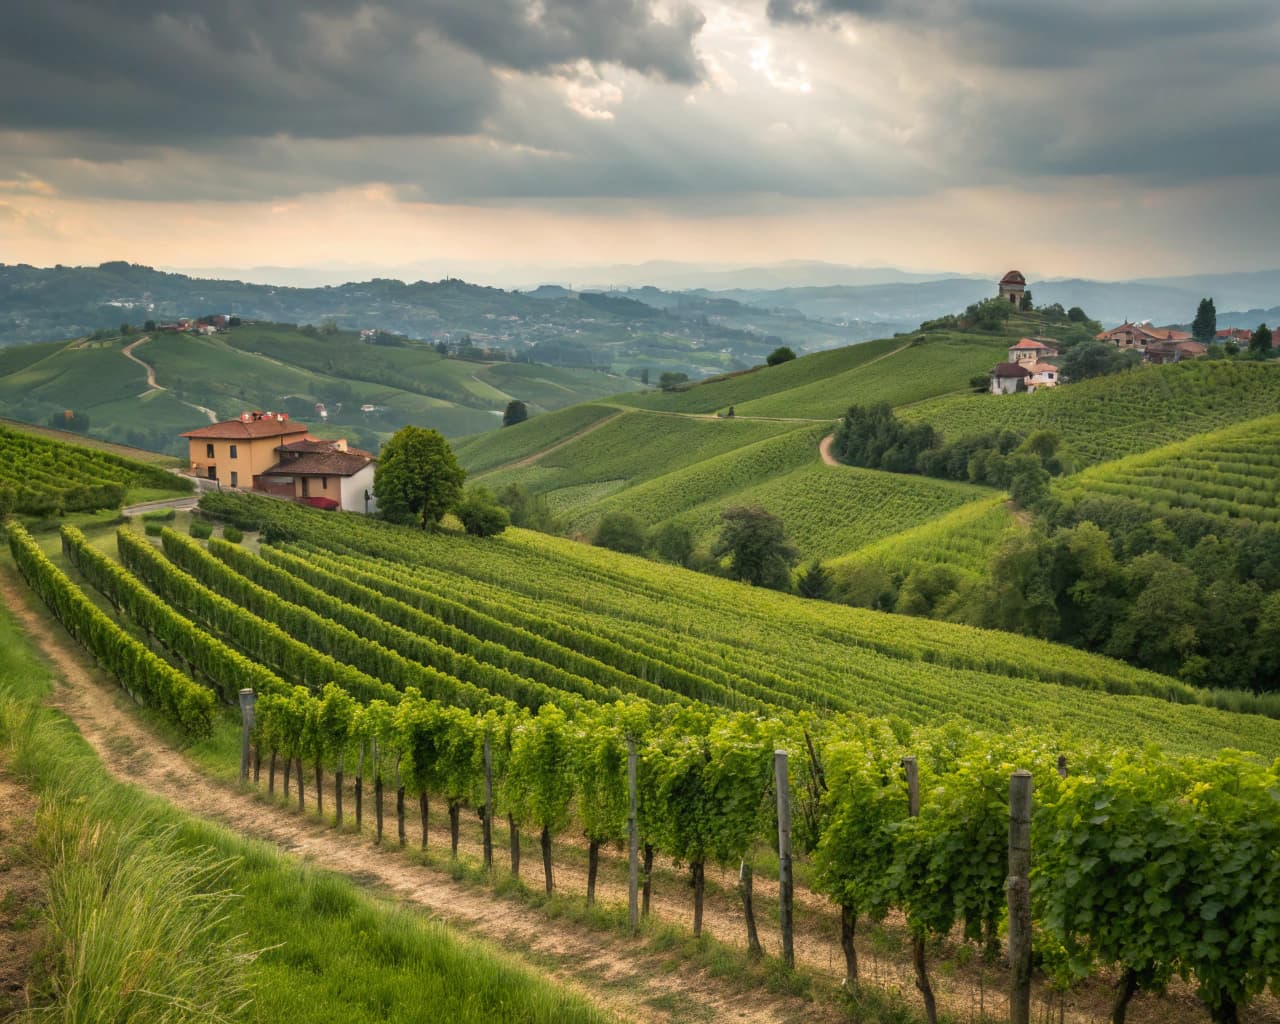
481, 515
149, 325
644, 376
1026, 302
517, 412
1205, 325
1096, 359
757, 546
672, 542
670, 380
620, 531
1260, 343
814, 582
781, 354
417, 477
1077, 315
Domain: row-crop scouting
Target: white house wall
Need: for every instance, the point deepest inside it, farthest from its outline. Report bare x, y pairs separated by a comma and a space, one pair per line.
353, 488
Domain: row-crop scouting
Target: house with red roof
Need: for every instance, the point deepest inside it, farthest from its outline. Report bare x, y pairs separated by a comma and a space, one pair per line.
233, 452
1240, 335
325, 474
1029, 351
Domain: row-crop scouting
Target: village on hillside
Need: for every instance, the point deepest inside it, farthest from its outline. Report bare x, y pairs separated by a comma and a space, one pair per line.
1033, 362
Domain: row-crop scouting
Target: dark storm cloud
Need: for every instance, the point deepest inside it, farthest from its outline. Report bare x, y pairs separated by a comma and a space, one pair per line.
1169, 91
147, 70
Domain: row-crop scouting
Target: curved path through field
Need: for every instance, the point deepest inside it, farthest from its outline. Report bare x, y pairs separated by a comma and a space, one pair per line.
152, 386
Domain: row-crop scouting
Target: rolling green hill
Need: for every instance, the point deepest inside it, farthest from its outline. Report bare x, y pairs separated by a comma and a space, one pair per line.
670, 474
368, 390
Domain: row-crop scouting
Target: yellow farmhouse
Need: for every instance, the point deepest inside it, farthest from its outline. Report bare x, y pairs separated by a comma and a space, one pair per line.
235, 451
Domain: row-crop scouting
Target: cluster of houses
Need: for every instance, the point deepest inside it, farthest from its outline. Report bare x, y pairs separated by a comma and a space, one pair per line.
271, 454
1159, 344
216, 324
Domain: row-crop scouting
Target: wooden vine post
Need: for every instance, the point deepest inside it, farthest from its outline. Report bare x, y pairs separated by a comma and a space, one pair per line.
633, 841
247, 700
912, 769
1019, 890
784, 857
488, 804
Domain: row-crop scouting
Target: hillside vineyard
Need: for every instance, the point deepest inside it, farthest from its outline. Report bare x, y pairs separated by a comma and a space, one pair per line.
407, 657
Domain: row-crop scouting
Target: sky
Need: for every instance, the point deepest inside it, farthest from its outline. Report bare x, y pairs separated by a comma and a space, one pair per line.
1099, 138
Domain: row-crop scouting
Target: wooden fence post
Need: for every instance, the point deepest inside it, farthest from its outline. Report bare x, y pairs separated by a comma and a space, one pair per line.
912, 769
784, 857
1019, 890
633, 841
247, 700
488, 804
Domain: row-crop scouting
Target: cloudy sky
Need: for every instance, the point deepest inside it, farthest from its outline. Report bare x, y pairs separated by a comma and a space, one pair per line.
1108, 138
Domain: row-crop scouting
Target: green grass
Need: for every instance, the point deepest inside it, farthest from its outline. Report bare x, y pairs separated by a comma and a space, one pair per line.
497, 447
1110, 417
636, 447
913, 374
720, 393
184, 909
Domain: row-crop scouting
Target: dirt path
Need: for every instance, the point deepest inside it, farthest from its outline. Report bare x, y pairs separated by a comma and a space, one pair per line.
127, 352
610, 970
152, 386
824, 449
22, 897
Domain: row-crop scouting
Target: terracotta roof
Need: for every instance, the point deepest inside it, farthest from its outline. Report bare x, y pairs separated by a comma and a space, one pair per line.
1027, 343
1013, 277
1043, 368
1010, 370
239, 429
330, 463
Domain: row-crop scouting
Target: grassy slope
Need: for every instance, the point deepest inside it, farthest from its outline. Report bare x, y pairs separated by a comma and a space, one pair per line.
498, 447
635, 447
260, 366
69, 437
330, 953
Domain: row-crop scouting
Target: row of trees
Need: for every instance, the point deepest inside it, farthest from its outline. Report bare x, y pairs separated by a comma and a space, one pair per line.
872, 437
752, 545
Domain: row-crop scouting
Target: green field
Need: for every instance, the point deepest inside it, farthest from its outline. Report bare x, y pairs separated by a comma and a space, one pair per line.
635, 447
498, 447
279, 367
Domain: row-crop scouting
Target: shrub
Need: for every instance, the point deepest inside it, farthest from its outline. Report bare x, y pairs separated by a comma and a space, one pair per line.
153, 529
201, 529
232, 534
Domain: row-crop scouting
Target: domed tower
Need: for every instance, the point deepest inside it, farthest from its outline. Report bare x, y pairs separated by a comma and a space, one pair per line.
1012, 287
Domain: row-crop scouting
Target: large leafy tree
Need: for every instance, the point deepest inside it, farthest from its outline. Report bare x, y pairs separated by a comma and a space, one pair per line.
417, 478
757, 546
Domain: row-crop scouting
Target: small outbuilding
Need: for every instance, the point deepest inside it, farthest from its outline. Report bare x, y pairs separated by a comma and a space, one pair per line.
1009, 378
1013, 286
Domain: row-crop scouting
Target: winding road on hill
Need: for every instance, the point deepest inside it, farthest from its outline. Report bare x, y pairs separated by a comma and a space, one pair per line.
152, 386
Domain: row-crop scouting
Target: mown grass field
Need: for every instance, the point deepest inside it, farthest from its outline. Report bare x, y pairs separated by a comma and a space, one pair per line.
509, 444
